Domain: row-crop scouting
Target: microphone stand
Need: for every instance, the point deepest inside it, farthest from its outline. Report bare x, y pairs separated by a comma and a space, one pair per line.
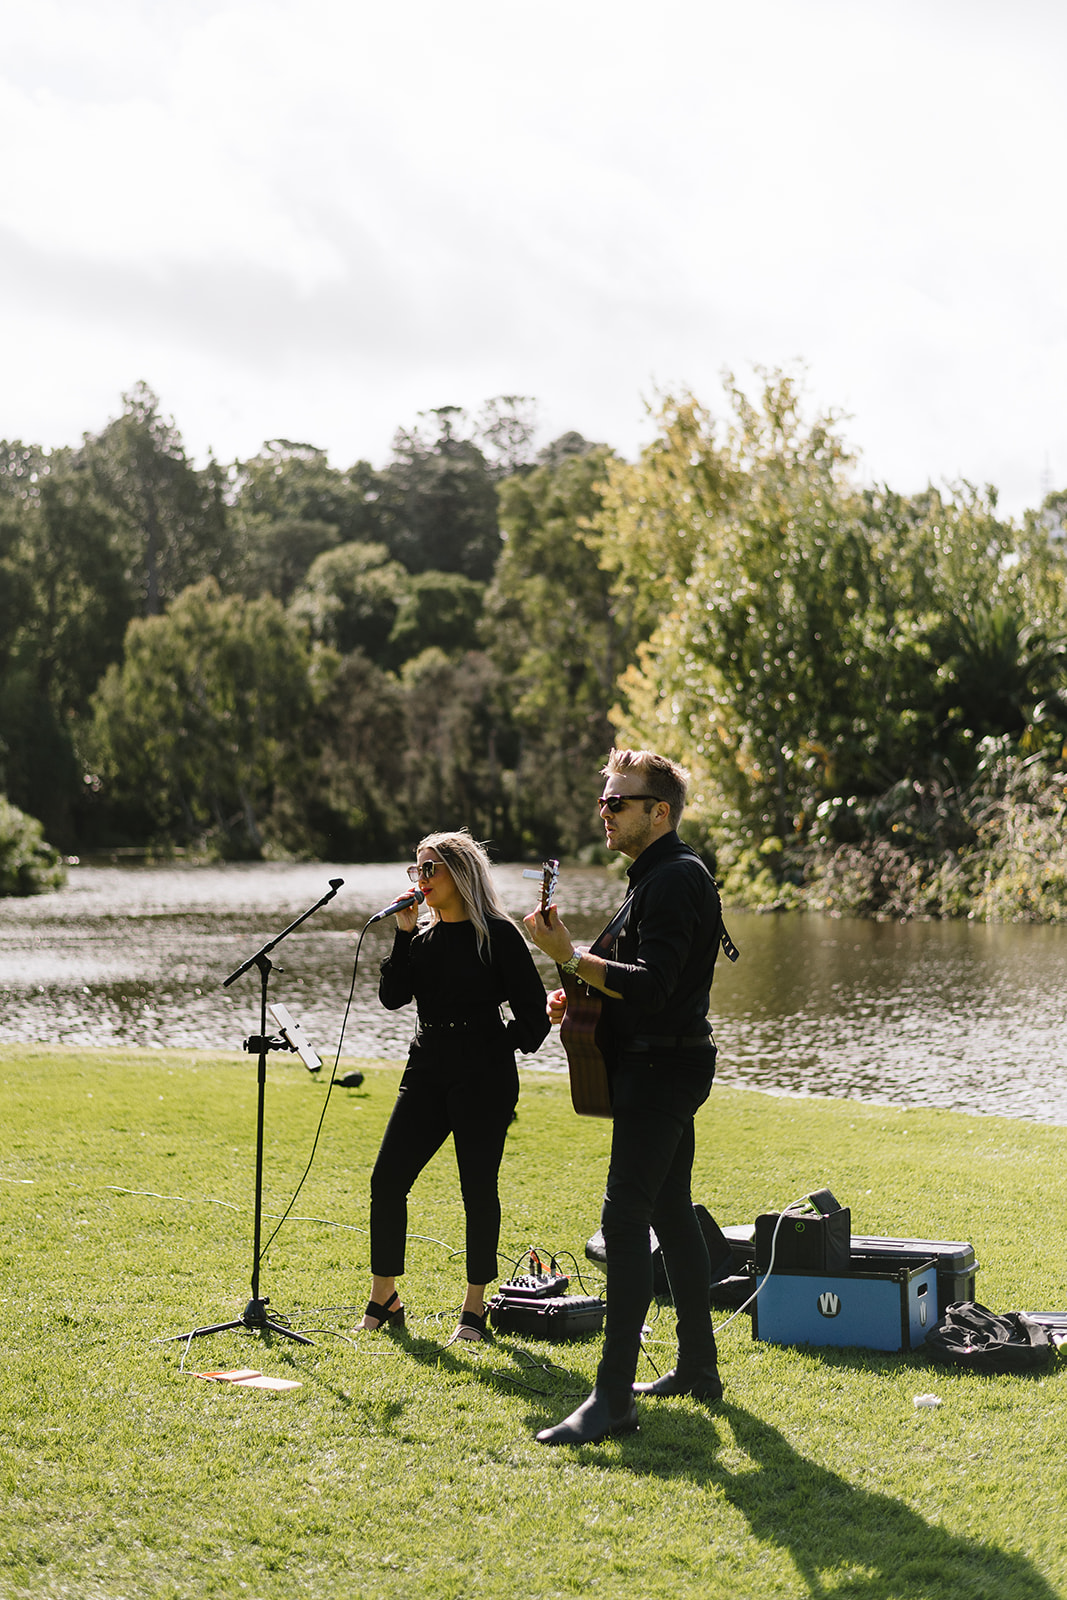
255, 1317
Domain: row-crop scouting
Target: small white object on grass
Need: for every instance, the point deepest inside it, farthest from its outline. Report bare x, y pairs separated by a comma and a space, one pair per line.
927, 1400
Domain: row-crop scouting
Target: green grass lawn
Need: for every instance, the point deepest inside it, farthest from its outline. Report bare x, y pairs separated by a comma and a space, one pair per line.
400, 1467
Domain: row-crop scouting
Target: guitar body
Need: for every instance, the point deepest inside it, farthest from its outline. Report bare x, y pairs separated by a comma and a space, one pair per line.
583, 1036
582, 1032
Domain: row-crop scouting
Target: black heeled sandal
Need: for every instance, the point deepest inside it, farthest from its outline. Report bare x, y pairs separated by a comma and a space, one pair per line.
386, 1318
471, 1329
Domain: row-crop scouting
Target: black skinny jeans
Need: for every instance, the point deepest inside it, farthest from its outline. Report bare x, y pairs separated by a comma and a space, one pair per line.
656, 1095
435, 1100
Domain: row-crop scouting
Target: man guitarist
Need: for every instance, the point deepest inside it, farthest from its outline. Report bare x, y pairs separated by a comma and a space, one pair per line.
656, 984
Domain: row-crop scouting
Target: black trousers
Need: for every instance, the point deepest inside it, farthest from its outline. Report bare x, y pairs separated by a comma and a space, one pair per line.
475, 1106
655, 1097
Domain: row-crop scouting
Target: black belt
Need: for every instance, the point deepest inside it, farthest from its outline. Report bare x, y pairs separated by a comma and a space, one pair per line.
669, 1041
491, 1024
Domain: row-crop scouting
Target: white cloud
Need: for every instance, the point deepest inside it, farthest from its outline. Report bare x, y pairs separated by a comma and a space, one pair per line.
316, 219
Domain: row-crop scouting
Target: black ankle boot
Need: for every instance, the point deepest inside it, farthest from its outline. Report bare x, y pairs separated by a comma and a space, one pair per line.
702, 1383
594, 1420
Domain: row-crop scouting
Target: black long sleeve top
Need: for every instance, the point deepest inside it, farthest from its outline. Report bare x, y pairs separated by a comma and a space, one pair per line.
663, 961
459, 992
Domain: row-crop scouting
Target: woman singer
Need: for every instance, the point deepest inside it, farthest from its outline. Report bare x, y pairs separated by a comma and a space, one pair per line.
460, 1077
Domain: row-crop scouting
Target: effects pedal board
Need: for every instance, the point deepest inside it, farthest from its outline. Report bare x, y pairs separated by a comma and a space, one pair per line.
536, 1303
534, 1286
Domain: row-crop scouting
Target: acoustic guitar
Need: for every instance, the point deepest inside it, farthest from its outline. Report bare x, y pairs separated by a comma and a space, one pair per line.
582, 1032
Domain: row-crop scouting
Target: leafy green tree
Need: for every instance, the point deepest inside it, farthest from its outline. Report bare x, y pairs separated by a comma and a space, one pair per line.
351, 599
289, 482
289, 506
28, 865
559, 450
202, 725
64, 606
504, 431
441, 502
456, 748
438, 609
658, 512
973, 642
757, 672
998, 669
176, 528
24, 469
353, 807
1048, 525
39, 769
16, 581
274, 556
80, 603
817, 647
560, 632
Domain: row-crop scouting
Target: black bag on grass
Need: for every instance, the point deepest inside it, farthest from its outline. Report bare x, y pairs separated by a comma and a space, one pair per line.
972, 1336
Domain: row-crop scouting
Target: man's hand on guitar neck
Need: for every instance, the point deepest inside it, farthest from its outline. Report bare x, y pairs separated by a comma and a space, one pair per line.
551, 936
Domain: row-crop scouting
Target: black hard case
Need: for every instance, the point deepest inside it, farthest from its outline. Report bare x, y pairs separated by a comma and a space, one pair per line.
559, 1317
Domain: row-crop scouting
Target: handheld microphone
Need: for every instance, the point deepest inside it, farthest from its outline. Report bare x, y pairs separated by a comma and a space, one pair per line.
414, 897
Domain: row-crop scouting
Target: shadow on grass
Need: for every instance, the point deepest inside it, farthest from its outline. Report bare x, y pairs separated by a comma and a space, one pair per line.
842, 1539
502, 1364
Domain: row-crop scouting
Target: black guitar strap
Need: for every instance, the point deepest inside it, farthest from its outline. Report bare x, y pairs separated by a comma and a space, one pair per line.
604, 941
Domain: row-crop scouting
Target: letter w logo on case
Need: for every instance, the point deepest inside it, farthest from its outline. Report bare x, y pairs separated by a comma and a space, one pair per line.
829, 1304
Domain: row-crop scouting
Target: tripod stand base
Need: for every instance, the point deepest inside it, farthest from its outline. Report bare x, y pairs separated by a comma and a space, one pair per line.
254, 1318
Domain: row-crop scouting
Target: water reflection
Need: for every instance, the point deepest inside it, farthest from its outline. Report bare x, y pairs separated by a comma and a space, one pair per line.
946, 1014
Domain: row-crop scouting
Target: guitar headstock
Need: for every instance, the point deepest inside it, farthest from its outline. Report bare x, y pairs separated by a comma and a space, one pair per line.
548, 876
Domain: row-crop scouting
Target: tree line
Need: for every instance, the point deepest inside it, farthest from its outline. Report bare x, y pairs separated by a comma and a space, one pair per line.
280, 657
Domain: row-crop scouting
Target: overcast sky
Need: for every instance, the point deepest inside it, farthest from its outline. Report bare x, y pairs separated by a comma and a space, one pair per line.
315, 218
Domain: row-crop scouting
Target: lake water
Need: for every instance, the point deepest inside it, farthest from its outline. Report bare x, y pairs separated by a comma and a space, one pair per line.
964, 1016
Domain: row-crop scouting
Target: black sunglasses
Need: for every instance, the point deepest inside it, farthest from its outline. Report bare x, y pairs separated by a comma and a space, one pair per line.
425, 869
615, 802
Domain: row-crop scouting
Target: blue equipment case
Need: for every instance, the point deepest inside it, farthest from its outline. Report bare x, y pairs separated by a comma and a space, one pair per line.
892, 1310
956, 1263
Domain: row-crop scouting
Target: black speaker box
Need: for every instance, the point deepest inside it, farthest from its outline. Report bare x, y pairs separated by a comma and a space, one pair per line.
815, 1236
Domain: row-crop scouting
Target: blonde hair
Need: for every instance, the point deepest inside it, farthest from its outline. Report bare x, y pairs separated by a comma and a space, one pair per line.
472, 873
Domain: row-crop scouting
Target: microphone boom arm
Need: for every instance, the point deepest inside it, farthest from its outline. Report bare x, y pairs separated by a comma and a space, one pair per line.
335, 884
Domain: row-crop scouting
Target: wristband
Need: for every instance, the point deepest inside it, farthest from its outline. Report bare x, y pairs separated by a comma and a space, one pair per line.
570, 966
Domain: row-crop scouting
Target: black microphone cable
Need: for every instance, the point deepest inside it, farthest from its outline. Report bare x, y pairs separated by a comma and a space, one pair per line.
329, 1091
